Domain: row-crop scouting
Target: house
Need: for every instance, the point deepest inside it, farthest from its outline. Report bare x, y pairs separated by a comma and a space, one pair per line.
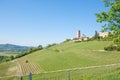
103, 34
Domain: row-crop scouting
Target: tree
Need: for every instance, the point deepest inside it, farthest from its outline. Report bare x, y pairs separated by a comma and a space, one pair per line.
39, 47
67, 40
96, 36
112, 17
111, 21
11, 57
50, 45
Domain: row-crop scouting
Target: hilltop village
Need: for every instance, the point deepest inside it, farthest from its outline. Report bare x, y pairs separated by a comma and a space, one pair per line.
85, 38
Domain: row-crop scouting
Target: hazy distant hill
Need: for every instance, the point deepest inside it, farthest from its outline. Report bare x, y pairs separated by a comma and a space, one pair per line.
12, 48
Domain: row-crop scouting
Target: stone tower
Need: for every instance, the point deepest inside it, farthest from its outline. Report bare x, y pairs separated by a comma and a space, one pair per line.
78, 34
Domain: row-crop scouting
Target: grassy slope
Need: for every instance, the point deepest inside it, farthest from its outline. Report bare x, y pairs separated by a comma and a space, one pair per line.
7, 69
72, 55
69, 55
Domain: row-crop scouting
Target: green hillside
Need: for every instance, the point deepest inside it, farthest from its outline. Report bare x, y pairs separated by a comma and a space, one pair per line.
66, 56
72, 55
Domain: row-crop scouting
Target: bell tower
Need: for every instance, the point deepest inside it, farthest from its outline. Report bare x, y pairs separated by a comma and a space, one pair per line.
78, 34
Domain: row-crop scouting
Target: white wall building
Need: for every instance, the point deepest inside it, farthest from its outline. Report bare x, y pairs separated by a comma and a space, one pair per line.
103, 34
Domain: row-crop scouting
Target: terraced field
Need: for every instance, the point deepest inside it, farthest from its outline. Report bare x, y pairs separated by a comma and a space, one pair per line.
24, 68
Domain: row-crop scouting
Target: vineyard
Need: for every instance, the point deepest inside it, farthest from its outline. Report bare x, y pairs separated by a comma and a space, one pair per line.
25, 67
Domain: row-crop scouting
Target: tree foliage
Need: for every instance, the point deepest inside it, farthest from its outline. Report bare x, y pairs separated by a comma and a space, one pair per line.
50, 45
111, 17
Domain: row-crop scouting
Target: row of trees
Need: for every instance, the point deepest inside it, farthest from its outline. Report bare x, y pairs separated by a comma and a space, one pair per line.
31, 50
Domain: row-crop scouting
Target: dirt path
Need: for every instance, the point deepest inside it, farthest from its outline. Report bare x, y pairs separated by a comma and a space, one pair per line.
19, 70
89, 67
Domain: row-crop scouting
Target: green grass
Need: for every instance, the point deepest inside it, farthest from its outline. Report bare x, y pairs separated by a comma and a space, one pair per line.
73, 55
102, 73
7, 69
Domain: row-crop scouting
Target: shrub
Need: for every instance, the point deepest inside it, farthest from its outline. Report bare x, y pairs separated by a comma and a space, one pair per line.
67, 40
50, 45
110, 48
118, 48
56, 50
26, 61
116, 41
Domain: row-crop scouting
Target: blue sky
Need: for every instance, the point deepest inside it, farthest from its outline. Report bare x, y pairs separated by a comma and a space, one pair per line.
35, 22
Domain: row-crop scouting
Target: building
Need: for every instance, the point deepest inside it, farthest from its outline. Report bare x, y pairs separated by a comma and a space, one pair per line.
78, 34
103, 34
84, 37
79, 37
